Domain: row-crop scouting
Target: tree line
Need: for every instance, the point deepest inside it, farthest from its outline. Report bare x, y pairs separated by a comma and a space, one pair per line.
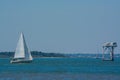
33, 53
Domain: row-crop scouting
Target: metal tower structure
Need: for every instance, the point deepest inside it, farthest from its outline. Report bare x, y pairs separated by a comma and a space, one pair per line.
109, 46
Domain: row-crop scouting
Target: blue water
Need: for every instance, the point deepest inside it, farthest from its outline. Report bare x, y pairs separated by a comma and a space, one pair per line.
61, 69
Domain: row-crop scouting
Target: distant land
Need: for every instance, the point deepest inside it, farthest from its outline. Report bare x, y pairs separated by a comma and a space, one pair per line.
33, 53
37, 54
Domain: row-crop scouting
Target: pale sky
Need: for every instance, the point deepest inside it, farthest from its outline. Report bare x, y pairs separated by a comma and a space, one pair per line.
65, 26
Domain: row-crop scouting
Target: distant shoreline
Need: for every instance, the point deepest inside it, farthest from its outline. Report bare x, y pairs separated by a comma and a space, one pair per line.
33, 53
39, 54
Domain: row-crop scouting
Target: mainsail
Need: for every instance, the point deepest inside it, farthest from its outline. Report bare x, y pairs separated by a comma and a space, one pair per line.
22, 50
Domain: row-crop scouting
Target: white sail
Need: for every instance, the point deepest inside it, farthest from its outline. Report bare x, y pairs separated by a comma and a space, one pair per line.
22, 50
19, 53
27, 52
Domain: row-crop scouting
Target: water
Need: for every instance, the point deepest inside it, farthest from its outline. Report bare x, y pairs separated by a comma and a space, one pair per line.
61, 69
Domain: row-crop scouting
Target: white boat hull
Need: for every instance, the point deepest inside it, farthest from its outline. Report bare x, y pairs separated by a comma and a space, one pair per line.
20, 61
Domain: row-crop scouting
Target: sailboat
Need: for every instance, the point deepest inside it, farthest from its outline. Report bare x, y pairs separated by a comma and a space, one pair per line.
22, 54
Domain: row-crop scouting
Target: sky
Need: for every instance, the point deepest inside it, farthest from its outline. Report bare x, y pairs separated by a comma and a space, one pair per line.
62, 26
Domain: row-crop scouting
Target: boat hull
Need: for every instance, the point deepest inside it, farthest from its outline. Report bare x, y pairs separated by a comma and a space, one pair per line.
20, 61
